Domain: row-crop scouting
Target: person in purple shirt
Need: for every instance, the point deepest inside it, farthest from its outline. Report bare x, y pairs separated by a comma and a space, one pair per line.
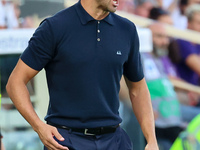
189, 53
187, 68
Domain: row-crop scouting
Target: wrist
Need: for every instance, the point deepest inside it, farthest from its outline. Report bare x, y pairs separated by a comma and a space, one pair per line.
37, 125
152, 139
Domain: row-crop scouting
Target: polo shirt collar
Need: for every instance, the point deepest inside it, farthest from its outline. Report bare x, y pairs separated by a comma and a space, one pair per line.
109, 19
85, 17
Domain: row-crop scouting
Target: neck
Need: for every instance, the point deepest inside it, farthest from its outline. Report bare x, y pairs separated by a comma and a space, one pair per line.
94, 9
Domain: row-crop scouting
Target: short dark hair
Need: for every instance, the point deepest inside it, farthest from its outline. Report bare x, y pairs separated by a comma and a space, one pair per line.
156, 12
183, 2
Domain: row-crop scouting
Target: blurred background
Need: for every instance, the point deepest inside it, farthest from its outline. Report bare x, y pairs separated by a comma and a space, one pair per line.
170, 49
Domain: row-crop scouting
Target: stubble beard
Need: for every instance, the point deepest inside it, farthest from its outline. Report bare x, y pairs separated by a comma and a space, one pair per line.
107, 7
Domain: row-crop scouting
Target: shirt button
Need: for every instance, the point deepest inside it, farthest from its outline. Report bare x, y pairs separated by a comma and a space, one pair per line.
98, 39
98, 31
98, 22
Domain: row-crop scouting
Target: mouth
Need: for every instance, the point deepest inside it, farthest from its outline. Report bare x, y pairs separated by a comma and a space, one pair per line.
115, 3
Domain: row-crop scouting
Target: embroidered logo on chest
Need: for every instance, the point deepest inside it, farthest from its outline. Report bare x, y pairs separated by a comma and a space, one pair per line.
119, 53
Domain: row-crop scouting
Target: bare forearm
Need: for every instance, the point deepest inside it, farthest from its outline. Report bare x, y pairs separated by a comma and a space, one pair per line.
142, 107
144, 113
20, 97
19, 94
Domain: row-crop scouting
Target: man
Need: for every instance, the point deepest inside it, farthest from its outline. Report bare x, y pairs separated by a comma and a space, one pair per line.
160, 15
170, 118
189, 53
160, 53
143, 8
84, 50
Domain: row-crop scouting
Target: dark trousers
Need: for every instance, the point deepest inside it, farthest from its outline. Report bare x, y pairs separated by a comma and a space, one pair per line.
118, 140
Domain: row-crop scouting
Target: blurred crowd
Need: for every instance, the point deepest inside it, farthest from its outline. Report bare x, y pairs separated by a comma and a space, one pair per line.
176, 9
170, 59
10, 16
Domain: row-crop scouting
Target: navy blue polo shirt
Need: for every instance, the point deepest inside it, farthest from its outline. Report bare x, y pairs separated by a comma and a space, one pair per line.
84, 60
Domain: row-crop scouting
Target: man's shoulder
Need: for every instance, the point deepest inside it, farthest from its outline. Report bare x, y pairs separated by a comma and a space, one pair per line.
182, 41
123, 21
65, 15
62, 20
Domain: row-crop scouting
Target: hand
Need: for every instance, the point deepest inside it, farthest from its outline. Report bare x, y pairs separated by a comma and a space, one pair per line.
152, 146
46, 134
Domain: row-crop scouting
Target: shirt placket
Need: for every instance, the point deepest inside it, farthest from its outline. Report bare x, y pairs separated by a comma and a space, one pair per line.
98, 33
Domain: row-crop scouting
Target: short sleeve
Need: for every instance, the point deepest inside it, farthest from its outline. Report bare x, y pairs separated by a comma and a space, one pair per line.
41, 47
133, 67
186, 48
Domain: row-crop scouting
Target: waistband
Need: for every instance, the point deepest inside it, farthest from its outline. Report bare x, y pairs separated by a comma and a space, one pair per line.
88, 131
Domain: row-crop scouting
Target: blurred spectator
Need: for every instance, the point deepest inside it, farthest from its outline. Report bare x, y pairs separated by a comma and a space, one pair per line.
143, 8
169, 5
193, 15
187, 54
8, 14
2, 17
126, 5
176, 8
160, 50
27, 22
168, 123
184, 4
159, 14
163, 16
178, 15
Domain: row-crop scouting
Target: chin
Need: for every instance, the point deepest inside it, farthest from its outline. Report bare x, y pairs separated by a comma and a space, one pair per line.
112, 9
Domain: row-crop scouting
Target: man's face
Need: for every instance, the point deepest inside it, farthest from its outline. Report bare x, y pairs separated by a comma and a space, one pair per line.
108, 5
166, 19
194, 24
160, 39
